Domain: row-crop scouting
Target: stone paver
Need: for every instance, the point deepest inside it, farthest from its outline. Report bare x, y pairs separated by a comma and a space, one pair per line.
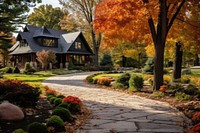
115, 112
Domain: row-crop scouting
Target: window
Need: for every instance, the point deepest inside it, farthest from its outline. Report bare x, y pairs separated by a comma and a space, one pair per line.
77, 45
23, 43
48, 42
78, 59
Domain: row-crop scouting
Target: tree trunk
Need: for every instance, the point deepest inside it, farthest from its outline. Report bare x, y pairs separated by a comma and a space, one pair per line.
177, 62
95, 47
196, 62
158, 67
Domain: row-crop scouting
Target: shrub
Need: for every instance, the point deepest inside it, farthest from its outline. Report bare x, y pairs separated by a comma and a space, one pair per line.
182, 96
95, 81
52, 99
104, 81
149, 66
174, 87
64, 105
37, 127
74, 108
60, 96
18, 92
28, 69
196, 118
9, 70
158, 94
16, 70
124, 80
106, 60
117, 85
89, 79
165, 71
191, 89
50, 92
72, 99
195, 129
55, 121
19, 131
136, 82
64, 114
185, 79
57, 101
49, 97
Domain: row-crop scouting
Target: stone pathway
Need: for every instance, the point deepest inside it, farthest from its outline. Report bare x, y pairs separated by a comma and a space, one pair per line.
115, 112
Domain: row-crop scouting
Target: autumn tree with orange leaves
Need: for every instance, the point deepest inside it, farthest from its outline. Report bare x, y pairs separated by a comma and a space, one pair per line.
141, 20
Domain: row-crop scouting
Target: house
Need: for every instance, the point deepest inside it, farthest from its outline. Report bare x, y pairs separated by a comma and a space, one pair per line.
67, 46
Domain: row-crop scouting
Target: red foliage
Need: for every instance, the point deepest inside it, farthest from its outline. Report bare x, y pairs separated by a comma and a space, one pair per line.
50, 91
195, 129
72, 99
196, 118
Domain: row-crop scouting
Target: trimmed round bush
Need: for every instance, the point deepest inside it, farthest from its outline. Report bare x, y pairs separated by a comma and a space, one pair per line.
136, 82
64, 105
74, 108
37, 127
55, 121
19, 131
64, 114
49, 97
57, 101
124, 80
89, 79
52, 99
60, 96
117, 85
94, 81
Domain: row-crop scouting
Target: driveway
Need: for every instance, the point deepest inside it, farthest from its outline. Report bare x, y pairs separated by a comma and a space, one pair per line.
115, 112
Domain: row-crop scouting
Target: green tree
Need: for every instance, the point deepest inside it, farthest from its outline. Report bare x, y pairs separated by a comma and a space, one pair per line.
85, 9
46, 15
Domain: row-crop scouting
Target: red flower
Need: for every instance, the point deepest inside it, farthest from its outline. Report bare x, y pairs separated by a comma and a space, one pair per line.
50, 91
72, 99
195, 129
196, 117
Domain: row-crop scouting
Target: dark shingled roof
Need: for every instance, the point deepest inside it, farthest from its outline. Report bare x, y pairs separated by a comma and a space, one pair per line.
65, 41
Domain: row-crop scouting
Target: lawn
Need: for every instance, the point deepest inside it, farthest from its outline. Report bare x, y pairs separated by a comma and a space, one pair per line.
36, 79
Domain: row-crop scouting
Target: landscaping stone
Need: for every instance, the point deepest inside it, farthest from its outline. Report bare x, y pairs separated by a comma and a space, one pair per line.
10, 112
116, 112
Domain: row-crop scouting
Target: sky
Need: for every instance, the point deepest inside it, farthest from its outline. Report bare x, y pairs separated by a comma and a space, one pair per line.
54, 3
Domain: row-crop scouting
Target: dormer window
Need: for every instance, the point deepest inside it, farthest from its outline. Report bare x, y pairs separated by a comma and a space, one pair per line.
48, 42
77, 45
23, 43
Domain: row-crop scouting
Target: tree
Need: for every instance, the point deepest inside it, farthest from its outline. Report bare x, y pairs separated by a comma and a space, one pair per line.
142, 19
46, 15
106, 60
12, 13
46, 57
85, 8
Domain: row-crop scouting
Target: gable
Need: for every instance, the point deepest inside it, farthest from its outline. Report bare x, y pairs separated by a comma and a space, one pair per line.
80, 45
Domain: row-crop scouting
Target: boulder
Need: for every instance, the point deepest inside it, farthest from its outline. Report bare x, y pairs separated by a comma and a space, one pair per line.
10, 112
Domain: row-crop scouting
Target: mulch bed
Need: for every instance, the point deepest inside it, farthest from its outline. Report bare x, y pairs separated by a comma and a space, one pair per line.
40, 114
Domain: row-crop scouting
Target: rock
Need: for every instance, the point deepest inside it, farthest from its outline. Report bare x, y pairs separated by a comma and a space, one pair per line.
10, 112
187, 71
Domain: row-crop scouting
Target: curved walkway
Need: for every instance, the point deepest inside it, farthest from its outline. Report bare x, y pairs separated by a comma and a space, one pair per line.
115, 112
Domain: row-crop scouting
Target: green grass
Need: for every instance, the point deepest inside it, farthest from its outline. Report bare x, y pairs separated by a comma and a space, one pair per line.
36, 79
115, 76
195, 72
